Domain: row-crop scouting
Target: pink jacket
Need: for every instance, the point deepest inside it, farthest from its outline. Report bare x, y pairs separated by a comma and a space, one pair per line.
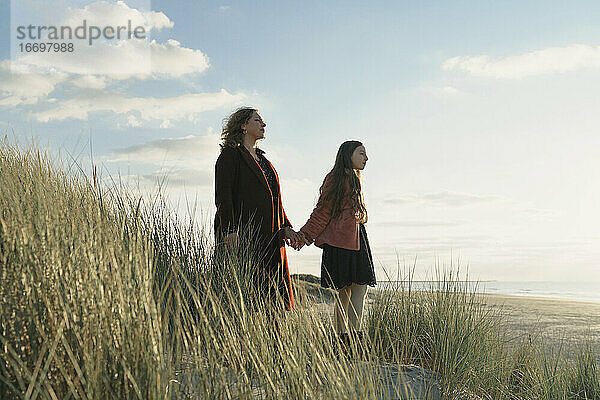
339, 232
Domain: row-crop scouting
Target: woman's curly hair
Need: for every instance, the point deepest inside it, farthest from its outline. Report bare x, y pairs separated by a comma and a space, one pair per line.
344, 176
232, 134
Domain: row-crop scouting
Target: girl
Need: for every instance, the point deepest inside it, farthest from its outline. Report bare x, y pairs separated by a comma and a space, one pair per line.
337, 226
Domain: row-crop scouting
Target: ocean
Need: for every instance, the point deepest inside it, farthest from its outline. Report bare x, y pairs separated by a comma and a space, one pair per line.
582, 291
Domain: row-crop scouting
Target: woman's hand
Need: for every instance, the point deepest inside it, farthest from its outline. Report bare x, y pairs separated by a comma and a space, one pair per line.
232, 239
291, 237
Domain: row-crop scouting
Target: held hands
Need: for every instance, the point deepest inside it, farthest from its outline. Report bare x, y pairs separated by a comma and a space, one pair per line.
291, 237
297, 240
294, 239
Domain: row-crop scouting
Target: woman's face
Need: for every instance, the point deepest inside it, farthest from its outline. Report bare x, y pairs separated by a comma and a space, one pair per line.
255, 127
359, 158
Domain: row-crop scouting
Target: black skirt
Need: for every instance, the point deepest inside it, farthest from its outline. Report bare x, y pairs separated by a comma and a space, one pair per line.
343, 267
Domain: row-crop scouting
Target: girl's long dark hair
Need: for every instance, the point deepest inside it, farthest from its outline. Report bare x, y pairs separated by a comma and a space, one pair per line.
344, 176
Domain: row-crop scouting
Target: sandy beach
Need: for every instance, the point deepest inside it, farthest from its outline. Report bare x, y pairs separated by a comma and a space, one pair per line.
554, 321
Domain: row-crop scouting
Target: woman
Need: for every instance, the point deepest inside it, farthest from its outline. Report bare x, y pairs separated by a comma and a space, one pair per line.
247, 194
337, 226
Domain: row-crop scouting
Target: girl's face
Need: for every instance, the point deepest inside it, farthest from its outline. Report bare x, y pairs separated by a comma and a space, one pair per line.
255, 127
359, 158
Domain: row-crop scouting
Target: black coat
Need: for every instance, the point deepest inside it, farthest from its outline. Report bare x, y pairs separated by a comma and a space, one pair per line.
242, 197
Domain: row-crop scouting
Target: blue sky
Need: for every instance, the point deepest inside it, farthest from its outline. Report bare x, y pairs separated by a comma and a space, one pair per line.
479, 117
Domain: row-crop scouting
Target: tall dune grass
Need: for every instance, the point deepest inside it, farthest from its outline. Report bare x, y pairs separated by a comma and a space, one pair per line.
109, 296
444, 328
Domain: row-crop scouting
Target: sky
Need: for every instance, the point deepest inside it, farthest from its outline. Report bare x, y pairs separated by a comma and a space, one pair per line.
480, 118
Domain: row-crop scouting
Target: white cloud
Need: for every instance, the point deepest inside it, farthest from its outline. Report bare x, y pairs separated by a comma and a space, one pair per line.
539, 212
103, 13
183, 151
545, 61
166, 124
442, 91
184, 191
133, 121
122, 57
122, 60
444, 198
449, 90
173, 60
33, 77
181, 107
89, 82
179, 177
17, 88
417, 223
185, 164
30, 79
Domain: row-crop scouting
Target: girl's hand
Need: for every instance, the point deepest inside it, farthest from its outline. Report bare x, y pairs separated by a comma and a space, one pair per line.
291, 237
300, 242
304, 239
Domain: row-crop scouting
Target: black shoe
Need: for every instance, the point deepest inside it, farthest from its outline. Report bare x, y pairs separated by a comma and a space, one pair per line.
361, 344
364, 339
345, 338
351, 344
344, 344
